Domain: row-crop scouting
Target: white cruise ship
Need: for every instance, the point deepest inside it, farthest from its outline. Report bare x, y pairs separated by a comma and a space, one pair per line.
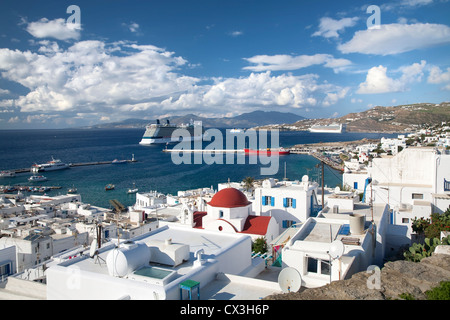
162, 133
55, 164
330, 128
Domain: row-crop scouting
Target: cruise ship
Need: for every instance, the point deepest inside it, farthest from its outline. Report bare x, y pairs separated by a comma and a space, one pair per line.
330, 128
55, 164
162, 133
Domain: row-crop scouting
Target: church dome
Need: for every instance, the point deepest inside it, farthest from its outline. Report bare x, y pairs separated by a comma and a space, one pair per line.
229, 198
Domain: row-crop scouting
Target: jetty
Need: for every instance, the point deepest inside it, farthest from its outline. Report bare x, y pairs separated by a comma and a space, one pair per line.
79, 164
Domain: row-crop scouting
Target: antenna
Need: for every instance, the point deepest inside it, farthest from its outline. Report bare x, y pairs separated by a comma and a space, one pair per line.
289, 280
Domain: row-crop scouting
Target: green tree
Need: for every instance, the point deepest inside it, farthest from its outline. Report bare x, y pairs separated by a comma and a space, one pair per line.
260, 245
248, 183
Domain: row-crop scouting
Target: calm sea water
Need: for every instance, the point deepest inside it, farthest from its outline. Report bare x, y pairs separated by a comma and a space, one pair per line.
154, 169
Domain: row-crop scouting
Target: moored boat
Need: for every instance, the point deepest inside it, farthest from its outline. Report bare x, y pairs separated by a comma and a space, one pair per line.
54, 164
109, 187
37, 178
7, 174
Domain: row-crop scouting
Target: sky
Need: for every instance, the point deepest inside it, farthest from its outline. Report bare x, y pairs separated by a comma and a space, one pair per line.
77, 63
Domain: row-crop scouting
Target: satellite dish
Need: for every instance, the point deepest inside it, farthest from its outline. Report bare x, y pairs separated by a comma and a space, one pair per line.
336, 249
93, 249
289, 280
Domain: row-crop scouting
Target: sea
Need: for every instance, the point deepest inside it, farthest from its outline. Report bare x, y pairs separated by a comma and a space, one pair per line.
154, 170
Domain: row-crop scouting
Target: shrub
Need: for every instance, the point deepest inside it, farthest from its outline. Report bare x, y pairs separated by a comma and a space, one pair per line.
442, 292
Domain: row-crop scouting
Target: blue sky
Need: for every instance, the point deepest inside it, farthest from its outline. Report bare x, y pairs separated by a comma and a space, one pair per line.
149, 59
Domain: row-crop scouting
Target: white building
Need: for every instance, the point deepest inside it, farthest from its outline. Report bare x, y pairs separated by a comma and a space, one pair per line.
153, 267
308, 249
230, 211
8, 262
393, 145
355, 175
289, 202
415, 183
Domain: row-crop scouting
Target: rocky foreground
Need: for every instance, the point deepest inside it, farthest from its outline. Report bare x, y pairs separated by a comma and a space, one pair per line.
397, 278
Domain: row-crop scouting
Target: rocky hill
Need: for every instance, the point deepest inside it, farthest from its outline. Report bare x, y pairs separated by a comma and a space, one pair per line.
402, 118
397, 278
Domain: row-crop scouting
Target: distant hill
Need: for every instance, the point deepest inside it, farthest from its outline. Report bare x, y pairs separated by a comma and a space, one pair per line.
245, 120
402, 118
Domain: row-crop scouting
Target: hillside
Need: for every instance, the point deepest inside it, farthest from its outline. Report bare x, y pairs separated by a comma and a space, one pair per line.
245, 120
402, 118
396, 279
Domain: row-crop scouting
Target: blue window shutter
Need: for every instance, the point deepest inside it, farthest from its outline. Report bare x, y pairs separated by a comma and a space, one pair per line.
293, 203
263, 200
355, 185
284, 224
272, 201
284, 202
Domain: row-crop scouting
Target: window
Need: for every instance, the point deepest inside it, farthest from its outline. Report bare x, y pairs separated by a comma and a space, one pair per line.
221, 214
417, 195
289, 202
355, 185
318, 266
268, 200
5, 270
288, 223
405, 220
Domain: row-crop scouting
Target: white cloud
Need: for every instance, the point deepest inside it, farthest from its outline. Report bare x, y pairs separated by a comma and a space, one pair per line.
414, 3
57, 29
99, 80
397, 38
329, 27
4, 92
437, 76
132, 26
288, 62
377, 80
13, 119
90, 74
236, 33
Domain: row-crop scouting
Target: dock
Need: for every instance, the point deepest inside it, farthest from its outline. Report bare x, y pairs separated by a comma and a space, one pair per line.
73, 165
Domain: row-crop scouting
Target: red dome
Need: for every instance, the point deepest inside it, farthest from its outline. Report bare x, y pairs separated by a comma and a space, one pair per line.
229, 198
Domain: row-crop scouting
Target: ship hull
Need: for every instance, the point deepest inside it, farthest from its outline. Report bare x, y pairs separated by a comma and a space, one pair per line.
327, 129
267, 152
158, 134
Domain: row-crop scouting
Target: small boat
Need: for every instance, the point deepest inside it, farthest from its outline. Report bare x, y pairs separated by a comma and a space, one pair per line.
7, 174
8, 189
109, 187
37, 178
132, 190
235, 130
72, 190
116, 161
268, 151
44, 189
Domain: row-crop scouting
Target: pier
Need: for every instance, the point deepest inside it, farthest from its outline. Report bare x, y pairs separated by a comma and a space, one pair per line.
73, 165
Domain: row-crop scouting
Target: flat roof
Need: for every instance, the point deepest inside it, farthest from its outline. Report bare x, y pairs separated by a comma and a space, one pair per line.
212, 244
